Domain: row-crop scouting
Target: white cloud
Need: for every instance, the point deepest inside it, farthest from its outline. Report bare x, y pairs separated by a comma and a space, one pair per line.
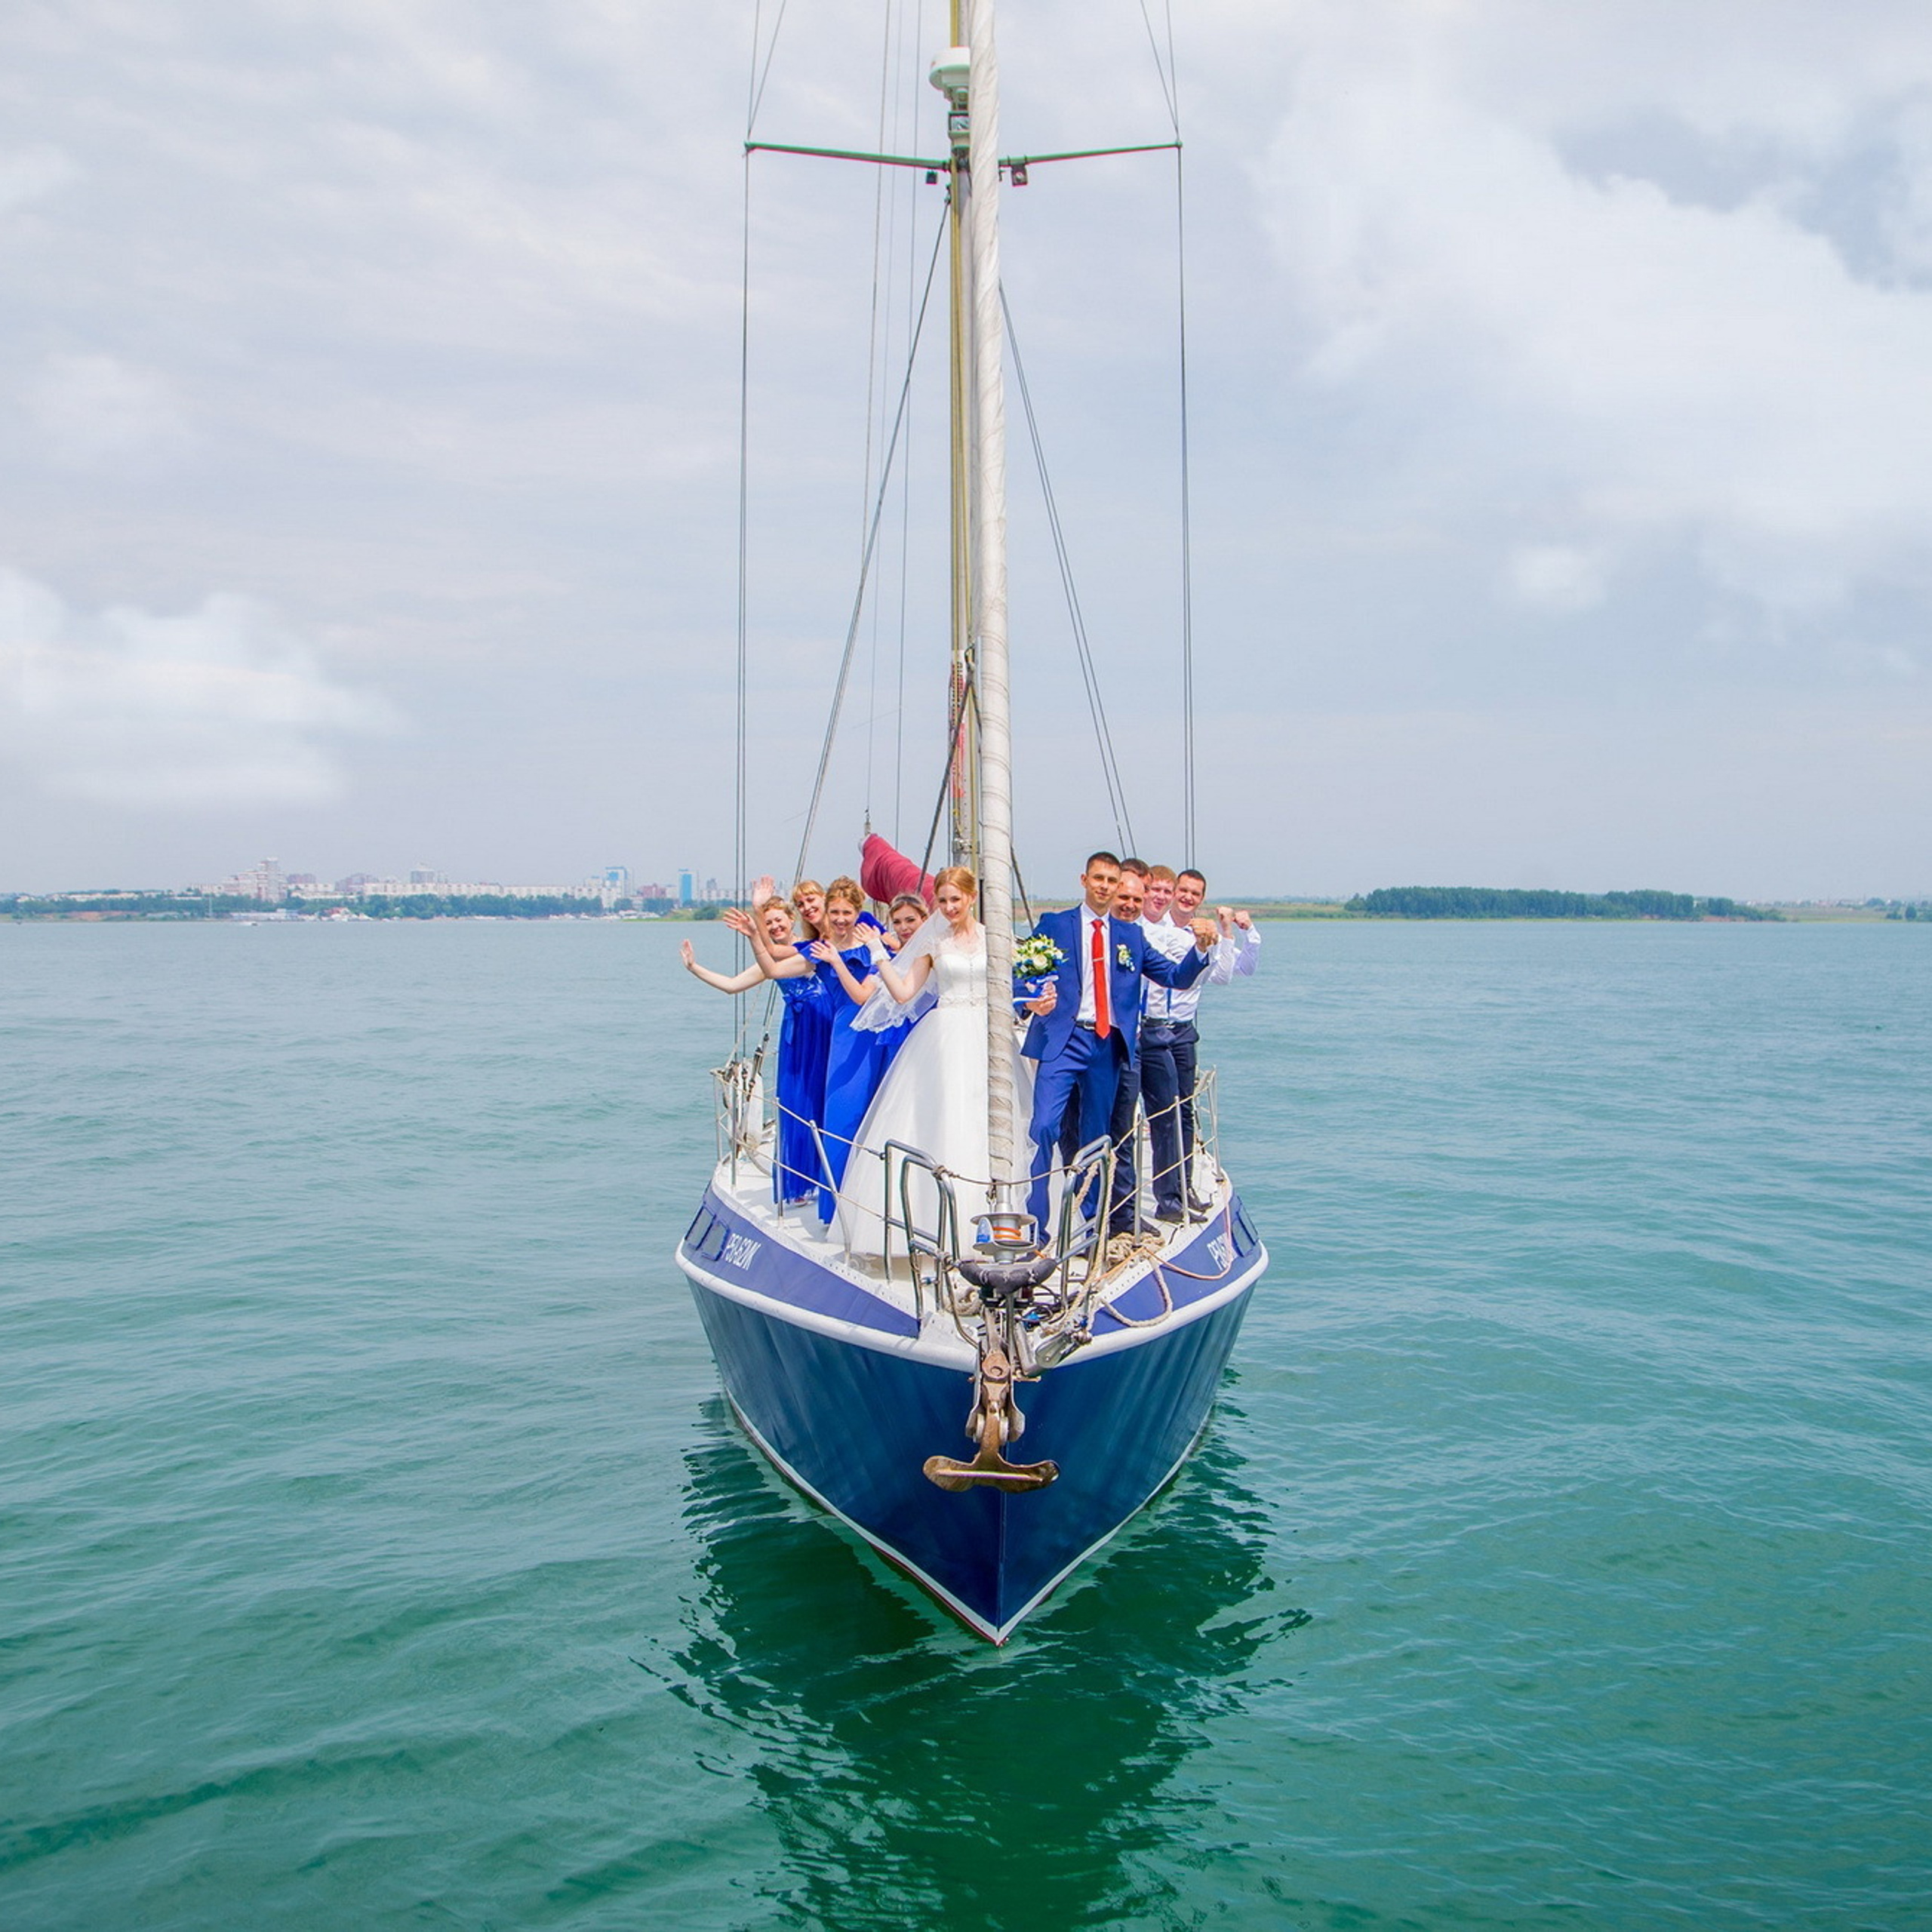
1556, 578
1613, 310
95, 410
1907, 220
31, 174
222, 705
1640, 367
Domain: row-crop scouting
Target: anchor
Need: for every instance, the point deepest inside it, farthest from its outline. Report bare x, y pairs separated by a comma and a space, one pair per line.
995, 1421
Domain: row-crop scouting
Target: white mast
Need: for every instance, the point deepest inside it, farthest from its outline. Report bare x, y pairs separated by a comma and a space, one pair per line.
990, 685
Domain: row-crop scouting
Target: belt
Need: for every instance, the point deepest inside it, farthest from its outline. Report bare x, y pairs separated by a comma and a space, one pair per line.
1085, 1026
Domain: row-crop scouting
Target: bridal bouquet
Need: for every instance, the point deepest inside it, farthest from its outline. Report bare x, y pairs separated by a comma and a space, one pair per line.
1034, 961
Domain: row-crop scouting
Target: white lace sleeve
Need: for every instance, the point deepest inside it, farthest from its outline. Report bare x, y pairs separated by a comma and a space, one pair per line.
882, 1012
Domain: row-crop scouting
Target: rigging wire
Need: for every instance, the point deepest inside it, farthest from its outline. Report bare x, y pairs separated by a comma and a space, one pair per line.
966, 701
1165, 71
964, 704
865, 563
1096, 702
905, 579
740, 839
905, 478
1187, 526
760, 73
874, 380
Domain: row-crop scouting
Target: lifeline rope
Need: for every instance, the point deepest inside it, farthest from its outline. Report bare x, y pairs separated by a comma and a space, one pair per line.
1057, 1170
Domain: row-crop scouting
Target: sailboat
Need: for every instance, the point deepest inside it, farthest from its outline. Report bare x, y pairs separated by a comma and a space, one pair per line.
986, 1401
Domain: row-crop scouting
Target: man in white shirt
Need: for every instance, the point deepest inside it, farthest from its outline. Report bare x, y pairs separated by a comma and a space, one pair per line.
1086, 1024
1128, 902
1170, 1044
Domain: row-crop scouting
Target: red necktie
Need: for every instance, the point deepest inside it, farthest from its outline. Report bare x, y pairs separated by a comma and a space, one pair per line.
1103, 1023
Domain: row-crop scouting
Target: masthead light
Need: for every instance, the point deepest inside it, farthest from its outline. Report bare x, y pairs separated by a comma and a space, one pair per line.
951, 71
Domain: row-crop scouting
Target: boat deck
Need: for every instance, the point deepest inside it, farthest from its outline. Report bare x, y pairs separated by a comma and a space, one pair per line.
808, 1265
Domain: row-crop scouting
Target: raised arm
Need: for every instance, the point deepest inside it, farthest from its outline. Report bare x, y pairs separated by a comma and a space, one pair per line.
905, 986
775, 966
1238, 952
1189, 967
857, 990
733, 982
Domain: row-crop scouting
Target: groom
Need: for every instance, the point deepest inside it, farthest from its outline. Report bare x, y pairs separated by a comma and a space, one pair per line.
1087, 1023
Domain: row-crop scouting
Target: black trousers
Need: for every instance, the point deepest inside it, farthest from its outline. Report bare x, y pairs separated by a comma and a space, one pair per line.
1162, 1079
1170, 1054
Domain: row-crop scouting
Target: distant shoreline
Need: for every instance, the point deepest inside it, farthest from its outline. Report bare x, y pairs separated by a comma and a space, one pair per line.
1458, 905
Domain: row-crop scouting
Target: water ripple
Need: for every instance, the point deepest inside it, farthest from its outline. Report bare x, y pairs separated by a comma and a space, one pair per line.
375, 1550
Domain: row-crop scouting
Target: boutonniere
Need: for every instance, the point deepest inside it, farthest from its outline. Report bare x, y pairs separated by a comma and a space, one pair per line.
1122, 957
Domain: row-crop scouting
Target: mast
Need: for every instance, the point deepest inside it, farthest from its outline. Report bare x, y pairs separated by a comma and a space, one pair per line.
950, 74
991, 688
968, 76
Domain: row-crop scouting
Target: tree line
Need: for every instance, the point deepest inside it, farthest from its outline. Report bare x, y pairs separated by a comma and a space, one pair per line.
474, 905
112, 905
1488, 902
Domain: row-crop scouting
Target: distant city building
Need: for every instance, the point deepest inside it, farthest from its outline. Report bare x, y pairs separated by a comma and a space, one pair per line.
268, 884
613, 885
264, 883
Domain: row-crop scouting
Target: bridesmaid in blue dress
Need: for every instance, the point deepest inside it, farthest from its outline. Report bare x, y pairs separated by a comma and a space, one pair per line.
903, 918
803, 1040
804, 1043
847, 965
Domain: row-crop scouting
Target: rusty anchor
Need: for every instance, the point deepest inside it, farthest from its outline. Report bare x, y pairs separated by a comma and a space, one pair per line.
995, 1421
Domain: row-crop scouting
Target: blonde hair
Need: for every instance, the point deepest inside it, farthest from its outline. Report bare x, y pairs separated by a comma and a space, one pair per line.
798, 891
1162, 874
911, 898
848, 889
959, 875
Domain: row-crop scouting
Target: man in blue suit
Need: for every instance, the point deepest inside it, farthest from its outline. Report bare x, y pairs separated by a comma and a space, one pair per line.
1087, 1023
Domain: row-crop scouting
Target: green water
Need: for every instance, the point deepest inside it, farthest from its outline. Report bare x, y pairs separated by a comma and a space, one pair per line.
375, 1550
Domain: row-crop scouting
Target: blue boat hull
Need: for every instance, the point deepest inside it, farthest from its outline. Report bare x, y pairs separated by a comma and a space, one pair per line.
853, 1424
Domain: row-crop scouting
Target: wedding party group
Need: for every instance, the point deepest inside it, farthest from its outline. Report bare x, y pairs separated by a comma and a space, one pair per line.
884, 1037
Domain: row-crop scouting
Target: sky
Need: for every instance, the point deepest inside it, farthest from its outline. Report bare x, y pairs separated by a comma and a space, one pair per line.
1560, 430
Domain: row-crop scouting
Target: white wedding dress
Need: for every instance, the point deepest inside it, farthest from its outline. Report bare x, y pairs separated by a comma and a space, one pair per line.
934, 1098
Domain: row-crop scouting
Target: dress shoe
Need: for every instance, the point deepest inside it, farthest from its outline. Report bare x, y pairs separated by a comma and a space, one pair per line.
1199, 1206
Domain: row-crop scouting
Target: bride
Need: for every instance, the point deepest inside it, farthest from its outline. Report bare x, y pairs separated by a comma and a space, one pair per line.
934, 1097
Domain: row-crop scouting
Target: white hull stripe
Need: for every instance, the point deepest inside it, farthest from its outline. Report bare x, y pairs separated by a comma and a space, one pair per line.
944, 1350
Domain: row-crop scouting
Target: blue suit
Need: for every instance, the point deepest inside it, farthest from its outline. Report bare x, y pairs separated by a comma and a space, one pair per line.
1071, 1057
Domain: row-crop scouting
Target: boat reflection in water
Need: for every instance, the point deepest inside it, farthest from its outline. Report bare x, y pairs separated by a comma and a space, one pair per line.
915, 1778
